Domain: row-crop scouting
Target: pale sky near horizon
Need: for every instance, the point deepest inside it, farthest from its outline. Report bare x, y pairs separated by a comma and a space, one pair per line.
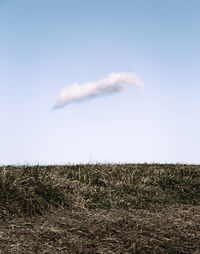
46, 45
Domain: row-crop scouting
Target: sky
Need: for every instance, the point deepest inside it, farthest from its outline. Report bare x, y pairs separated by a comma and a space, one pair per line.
48, 45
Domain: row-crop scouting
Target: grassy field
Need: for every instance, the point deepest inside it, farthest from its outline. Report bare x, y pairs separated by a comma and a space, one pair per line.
102, 208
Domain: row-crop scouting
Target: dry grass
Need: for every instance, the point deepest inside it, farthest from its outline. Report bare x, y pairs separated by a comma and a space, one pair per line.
130, 208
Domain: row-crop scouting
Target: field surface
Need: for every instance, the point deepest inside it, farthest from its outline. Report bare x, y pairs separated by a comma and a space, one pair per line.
102, 208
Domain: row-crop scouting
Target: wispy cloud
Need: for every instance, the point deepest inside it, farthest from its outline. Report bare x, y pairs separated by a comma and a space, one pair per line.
115, 82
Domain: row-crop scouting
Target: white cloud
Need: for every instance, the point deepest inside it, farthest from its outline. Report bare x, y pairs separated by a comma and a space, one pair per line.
115, 82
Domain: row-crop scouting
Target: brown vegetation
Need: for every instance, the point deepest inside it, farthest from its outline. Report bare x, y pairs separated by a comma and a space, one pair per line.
127, 208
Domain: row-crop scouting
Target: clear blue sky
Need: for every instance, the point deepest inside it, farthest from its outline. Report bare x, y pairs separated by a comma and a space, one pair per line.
46, 45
